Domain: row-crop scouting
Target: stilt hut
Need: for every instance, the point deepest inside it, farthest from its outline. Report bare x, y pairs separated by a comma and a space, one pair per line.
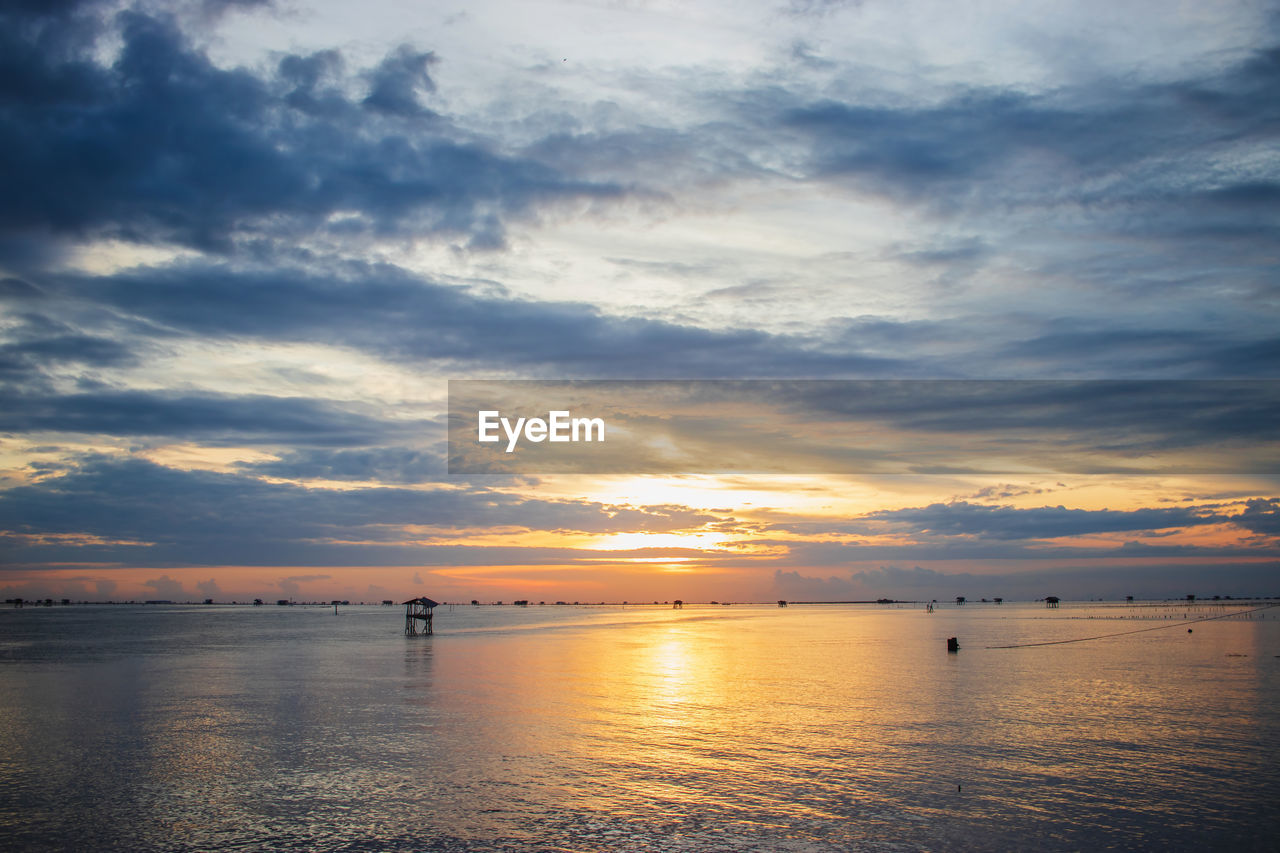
418, 610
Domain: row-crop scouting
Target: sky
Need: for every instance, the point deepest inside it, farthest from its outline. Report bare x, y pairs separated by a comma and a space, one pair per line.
246, 245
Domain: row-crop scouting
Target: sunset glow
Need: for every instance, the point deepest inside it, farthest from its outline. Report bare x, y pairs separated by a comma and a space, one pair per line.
869, 307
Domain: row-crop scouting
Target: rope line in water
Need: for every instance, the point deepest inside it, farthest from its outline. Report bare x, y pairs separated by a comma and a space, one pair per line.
1136, 630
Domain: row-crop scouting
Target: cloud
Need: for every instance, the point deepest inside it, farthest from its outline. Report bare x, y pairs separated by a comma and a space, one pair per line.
267, 166
1024, 553
982, 146
214, 9
402, 317
388, 465
1261, 516
292, 585
213, 418
1127, 418
1000, 523
39, 344
169, 148
397, 81
167, 588
206, 518
866, 585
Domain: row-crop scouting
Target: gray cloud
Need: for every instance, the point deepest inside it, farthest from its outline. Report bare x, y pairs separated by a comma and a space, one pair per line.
999, 523
397, 81
402, 317
1261, 516
167, 147
1134, 417
979, 146
1025, 552
205, 518
167, 588
215, 419
292, 585
38, 344
392, 465
964, 530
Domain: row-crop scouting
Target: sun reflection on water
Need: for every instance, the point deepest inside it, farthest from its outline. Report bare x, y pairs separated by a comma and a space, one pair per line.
745, 728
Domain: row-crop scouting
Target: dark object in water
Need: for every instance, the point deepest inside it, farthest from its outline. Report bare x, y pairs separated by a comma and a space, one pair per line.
418, 610
953, 644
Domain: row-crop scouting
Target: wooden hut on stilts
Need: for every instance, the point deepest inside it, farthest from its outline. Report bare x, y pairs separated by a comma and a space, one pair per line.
418, 610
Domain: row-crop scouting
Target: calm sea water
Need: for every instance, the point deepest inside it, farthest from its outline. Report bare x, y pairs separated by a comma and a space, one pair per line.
639, 728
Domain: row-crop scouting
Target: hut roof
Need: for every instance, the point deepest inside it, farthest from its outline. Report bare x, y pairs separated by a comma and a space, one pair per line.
426, 602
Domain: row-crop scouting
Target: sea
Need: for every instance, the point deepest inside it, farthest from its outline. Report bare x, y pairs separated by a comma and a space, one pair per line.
811, 727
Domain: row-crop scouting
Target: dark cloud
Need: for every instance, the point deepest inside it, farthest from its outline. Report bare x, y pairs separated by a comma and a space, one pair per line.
37, 343
205, 518
1107, 350
163, 146
1128, 418
402, 317
15, 289
397, 81
980, 146
218, 8
211, 418
965, 529
1261, 516
393, 465
998, 523
1025, 552
1151, 200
